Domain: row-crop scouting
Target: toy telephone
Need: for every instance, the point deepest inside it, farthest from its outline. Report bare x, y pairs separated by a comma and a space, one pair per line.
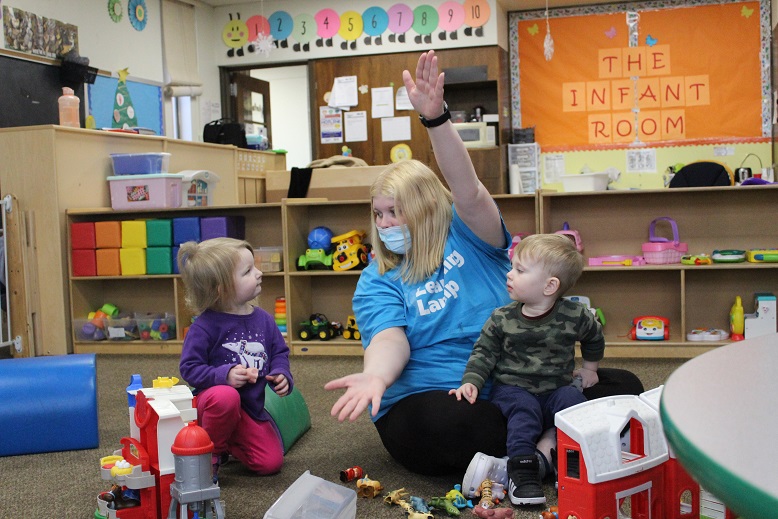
650, 328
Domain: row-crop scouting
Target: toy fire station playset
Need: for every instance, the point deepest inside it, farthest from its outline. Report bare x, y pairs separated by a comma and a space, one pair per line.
164, 467
614, 461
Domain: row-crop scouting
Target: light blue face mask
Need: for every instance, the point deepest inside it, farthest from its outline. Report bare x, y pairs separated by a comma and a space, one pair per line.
395, 238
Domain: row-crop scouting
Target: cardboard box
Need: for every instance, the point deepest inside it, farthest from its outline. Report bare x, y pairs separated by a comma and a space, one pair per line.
334, 183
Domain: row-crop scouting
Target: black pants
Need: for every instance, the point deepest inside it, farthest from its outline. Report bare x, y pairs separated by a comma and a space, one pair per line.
435, 434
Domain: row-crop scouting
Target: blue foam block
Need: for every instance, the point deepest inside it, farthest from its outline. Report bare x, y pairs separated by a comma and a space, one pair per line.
48, 404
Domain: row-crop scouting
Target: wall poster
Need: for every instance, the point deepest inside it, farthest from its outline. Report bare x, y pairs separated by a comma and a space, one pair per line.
660, 73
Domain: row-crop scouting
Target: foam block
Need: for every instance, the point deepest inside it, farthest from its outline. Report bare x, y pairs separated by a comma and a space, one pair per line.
108, 235
133, 234
290, 413
49, 404
222, 227
186, 229
82, 235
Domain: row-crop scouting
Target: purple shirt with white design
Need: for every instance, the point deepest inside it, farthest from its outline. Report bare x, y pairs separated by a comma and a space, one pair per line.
217, 341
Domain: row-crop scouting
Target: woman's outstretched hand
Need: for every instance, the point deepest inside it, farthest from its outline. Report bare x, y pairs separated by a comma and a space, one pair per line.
361, 390
426, 93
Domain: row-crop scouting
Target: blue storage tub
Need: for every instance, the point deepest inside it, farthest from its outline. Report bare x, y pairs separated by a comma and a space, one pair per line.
140, 163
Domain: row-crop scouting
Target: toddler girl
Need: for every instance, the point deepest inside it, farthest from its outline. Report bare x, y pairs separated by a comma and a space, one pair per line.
232, 350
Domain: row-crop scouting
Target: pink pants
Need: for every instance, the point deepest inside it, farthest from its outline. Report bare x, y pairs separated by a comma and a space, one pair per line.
256, 444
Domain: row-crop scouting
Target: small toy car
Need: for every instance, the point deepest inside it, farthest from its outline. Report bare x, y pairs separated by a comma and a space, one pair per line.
352, 330
317, 326
350, 253
315, 259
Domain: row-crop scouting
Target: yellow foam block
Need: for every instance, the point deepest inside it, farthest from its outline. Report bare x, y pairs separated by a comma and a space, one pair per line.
134, 234
133, 261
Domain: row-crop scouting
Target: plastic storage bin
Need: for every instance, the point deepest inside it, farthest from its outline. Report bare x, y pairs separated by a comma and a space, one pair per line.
585, 182
89, 329
121, 328
311, 497
269, 259
139, 192
156, 327
140, 163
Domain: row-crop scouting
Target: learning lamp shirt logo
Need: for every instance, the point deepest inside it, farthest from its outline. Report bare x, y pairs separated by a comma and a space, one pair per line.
432, 296
635, 96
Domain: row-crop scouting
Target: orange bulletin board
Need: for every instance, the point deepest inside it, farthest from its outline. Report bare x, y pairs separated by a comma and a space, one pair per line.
654, 75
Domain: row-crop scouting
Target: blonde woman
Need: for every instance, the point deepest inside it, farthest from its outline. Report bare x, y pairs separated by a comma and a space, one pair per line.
439, 272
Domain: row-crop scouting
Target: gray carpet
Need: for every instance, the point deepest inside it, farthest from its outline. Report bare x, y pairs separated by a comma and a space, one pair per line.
66, 484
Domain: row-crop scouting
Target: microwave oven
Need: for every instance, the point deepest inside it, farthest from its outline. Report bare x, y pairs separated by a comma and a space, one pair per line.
476, 134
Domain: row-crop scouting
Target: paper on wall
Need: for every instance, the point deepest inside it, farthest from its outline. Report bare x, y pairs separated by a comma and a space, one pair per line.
344, 92
396, 129
383, 105
356, 126
401, 100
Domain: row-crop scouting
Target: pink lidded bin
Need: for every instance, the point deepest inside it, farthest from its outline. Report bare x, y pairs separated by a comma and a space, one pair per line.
138, 192
661, 251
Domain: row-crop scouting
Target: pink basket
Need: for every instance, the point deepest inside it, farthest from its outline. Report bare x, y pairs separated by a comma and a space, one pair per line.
662, 251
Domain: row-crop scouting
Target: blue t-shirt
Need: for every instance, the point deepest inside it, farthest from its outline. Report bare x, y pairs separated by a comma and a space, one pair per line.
442, 316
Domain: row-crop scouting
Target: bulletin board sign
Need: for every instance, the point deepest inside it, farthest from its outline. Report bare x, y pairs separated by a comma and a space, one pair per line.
643, 73
146, 101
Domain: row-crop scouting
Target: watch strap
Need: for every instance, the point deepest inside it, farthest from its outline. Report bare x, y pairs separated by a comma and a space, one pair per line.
437, 121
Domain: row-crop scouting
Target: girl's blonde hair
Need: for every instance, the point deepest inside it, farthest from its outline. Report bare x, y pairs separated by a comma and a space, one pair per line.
425, 204
207, 269
556, 253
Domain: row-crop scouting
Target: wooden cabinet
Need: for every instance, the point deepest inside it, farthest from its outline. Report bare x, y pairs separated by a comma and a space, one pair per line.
164, 293
475, 76
691, 296
51, 169
609, 223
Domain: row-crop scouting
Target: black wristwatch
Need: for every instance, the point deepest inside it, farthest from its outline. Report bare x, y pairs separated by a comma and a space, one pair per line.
437, 121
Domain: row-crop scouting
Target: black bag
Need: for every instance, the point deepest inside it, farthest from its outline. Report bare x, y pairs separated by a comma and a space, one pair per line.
703, 173
223, 131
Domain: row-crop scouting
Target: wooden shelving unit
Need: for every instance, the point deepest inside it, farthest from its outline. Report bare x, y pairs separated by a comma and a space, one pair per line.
608, 222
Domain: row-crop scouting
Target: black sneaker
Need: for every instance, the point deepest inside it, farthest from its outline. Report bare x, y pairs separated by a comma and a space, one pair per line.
524, 487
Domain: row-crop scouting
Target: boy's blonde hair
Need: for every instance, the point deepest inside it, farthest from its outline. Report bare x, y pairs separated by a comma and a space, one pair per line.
207, 269
425, 204
556, 253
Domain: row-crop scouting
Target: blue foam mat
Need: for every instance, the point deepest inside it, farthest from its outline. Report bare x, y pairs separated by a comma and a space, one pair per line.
48, 404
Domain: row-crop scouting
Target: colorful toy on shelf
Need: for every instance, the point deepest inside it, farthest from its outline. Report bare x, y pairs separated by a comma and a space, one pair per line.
280, 314
763, 320
737, 320
707, 334
320, 238
762, 255
315, 259
573, 235
728, 256
616, 261
317, 326
650, 328
597, 312
352, 330
696, 259
661, 251
350, 253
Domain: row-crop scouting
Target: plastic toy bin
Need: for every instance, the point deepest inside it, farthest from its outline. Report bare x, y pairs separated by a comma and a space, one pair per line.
140, 163
269, 259
156, 327
138, 192
121, 328
311, 497
89, 329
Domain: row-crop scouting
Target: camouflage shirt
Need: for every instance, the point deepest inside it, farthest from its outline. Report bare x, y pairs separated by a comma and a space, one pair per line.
536, 354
